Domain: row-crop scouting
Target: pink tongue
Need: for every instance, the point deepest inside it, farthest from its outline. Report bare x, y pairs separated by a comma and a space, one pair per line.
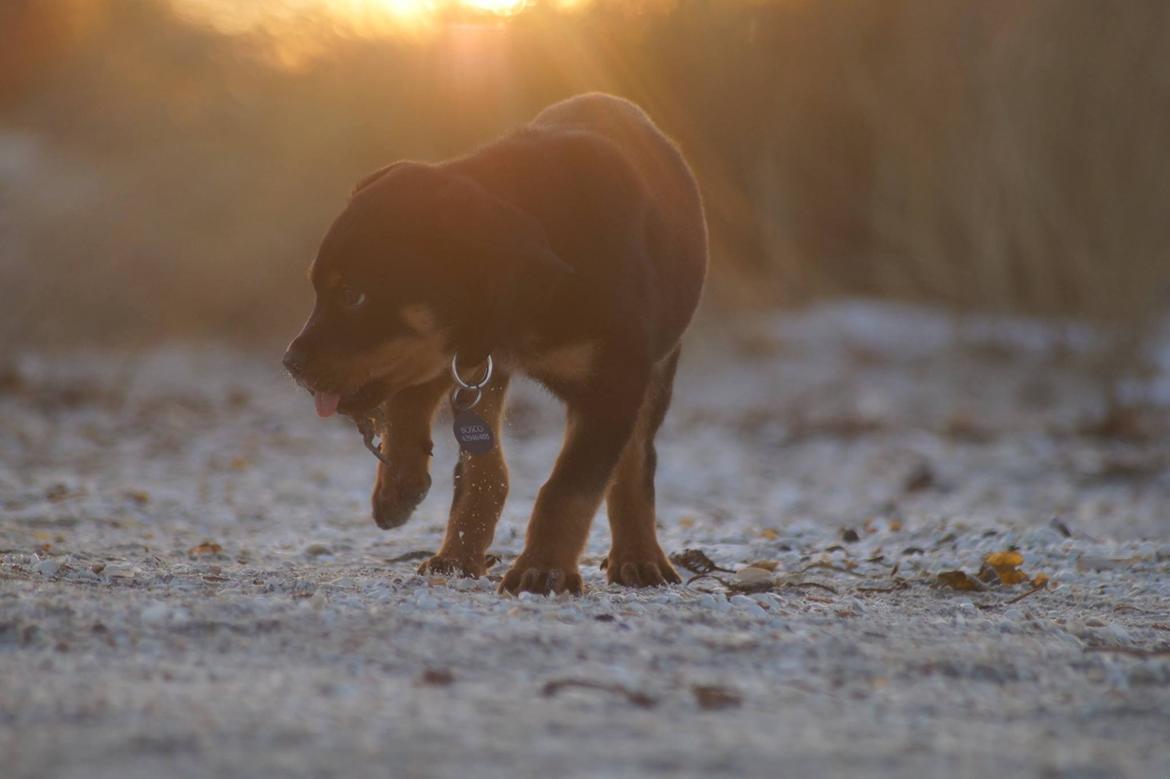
326, 403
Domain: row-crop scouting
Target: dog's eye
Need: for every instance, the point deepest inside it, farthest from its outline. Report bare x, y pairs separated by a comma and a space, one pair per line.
350, 297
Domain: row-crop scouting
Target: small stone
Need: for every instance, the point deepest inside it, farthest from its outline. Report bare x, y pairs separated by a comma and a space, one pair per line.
1118, 634
755, 611
436, 677
156, 613
317, 549
751, 576
48, 568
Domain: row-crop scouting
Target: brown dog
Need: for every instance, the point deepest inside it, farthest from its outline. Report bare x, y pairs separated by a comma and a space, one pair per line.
573, 249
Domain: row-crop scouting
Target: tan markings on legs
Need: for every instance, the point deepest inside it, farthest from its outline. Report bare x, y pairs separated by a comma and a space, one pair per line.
481, 487
635, 558
406, 443
567, 502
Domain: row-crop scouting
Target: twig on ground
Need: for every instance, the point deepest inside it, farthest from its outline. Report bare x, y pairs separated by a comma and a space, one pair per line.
1032, 591
899, 584
1132, 651
640, 699
831, 567
420, 554
811, 584
696, 561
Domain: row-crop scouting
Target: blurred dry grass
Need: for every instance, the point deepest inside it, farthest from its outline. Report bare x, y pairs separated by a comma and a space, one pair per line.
160, 178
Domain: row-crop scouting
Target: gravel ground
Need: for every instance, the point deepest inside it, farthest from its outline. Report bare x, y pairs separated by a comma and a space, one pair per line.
190, 584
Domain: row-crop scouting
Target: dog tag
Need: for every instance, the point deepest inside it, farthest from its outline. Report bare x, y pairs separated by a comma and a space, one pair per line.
473, 434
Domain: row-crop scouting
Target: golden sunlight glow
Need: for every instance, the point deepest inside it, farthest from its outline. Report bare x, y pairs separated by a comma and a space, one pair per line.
291, 34
360, 17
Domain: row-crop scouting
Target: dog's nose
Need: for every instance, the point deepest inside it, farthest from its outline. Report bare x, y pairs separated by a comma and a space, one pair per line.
294, 361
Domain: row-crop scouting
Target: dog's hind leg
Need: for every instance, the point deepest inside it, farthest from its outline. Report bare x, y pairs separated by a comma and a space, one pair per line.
635, 558
601, 420
406, 443
481, 487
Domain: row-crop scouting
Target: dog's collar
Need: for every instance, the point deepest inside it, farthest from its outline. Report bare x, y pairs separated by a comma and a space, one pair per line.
471, 431
474, 387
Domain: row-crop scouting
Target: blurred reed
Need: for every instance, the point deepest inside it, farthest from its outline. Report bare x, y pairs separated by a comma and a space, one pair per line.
159, 177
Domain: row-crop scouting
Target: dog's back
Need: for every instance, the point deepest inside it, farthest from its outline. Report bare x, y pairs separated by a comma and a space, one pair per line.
678, 236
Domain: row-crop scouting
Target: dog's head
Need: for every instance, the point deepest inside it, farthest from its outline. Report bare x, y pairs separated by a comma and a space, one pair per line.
421, 263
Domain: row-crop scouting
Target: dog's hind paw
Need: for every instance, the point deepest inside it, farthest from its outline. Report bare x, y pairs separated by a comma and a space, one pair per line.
640, 570
541, 579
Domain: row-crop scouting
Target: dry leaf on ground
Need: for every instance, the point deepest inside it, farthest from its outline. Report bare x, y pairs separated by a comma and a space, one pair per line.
714, 698
957, 580
1004, 567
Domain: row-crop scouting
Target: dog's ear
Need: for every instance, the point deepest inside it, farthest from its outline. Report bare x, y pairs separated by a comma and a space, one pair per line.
508, 239
516, 264
521, 242
370, 178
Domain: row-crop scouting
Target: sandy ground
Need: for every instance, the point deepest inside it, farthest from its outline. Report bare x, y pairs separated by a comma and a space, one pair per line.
190, 584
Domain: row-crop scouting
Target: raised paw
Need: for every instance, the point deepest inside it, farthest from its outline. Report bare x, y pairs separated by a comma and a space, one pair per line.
642, 570
541, 579
396, 497
450, 566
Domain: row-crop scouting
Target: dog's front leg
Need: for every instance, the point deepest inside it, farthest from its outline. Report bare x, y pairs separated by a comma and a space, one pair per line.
481, 487
597, 432
406, 443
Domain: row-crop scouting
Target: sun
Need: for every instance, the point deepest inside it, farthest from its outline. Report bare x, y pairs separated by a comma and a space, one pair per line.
502, 7
372, 17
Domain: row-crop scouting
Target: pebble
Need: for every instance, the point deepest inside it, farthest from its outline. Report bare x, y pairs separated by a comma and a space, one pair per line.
751, 576
1118, 634
156, 613
48, 568
746, 605
317, 549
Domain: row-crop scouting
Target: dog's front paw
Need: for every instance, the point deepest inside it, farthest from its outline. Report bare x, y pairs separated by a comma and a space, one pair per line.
396, 497
640, 568
542, 578
440, 565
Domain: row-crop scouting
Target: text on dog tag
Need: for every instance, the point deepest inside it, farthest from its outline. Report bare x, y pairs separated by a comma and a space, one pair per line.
473, 434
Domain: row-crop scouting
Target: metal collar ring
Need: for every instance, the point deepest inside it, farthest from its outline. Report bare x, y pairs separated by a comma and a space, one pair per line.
460, 405
477, 384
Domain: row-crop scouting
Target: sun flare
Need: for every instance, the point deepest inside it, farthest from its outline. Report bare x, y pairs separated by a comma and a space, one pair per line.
361, 17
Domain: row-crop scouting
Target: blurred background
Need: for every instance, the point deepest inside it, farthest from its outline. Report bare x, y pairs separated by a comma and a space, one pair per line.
167, 167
